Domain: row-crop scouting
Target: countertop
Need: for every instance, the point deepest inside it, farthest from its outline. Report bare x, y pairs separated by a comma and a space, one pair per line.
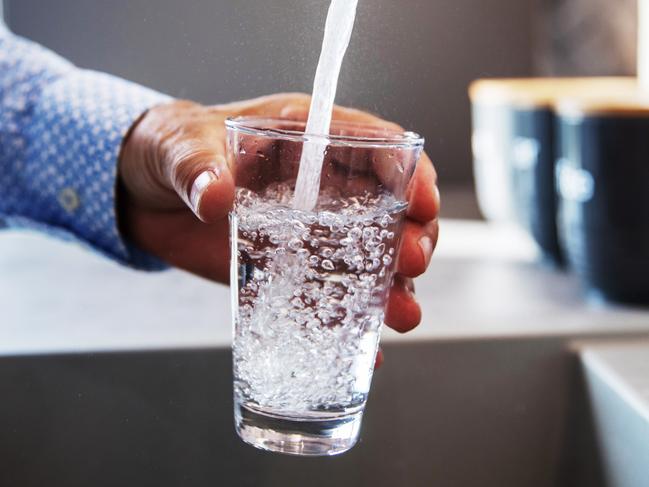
484, 282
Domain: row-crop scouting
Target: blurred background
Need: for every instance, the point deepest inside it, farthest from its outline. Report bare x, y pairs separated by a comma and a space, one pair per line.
516, 377
408, 61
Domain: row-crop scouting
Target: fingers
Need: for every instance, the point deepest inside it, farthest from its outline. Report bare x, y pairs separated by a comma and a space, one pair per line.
424, 199
299, 110
379, 359
402, 313
271, 106
417, 245
200, 175
181, 240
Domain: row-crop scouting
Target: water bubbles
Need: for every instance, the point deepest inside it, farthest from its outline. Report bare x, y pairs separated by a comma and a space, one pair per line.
312, 304
370, 245
294, 244
326, 252
372, 265
355, 233
326, 218
298, 227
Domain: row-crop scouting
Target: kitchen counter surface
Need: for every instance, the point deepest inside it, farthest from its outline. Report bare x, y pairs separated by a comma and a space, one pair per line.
484, 282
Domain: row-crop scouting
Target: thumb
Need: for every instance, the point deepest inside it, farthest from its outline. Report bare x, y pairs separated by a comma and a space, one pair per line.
202, 179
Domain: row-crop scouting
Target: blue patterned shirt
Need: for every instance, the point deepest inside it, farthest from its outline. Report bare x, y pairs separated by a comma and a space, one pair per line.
61, 130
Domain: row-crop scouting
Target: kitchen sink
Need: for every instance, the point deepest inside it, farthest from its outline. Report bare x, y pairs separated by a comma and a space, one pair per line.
496, 412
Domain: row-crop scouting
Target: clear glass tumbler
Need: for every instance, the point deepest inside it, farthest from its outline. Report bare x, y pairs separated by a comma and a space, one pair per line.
309, 287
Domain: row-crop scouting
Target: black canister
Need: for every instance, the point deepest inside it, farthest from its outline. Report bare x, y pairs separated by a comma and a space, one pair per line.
603, 183
514, 148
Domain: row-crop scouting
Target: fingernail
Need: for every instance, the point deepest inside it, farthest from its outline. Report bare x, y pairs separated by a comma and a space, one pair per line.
426, 246
201, 183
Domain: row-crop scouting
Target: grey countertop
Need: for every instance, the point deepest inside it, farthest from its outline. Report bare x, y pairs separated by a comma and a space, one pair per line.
483, 282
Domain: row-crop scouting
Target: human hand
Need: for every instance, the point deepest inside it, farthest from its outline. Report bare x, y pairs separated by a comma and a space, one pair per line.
177, 191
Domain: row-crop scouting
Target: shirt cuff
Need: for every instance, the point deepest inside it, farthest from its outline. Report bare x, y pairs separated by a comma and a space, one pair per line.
80, 122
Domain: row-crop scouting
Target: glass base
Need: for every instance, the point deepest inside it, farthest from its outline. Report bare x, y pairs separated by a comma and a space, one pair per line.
302, 437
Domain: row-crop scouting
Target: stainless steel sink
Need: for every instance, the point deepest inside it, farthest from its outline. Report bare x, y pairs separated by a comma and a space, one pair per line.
509, 412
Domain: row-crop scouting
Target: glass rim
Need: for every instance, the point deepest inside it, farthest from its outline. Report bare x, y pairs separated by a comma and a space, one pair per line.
393, 138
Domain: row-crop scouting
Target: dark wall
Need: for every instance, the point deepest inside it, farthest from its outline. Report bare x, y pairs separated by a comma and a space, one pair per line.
410, 60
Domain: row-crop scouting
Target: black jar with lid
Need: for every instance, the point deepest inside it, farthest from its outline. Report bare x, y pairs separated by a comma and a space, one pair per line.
603, 184
514, 127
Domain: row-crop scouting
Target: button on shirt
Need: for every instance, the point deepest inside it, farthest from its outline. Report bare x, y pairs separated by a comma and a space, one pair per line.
61, 130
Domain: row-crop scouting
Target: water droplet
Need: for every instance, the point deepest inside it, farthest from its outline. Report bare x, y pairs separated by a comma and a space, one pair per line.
387, 260
355, 233
386, 220
326, 252
368, 233
328, 265
294, 244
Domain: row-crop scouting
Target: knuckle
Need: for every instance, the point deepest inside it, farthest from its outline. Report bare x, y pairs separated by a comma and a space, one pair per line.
187, 160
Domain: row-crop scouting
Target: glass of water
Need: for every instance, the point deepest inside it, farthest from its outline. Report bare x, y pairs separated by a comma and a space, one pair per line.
309, 287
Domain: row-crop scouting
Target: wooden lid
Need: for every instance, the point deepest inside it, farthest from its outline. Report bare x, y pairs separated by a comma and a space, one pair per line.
633, 104
545, 92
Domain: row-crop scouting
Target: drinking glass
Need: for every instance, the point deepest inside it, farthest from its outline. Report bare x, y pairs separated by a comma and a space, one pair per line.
309, 288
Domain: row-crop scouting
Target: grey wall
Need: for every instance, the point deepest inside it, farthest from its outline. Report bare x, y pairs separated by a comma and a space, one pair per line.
410, 60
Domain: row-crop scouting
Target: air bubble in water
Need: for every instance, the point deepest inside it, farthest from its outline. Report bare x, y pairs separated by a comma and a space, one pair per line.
326, 252
295, 244
295, 321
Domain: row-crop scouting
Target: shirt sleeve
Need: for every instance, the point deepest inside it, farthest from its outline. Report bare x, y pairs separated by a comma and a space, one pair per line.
61, 131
